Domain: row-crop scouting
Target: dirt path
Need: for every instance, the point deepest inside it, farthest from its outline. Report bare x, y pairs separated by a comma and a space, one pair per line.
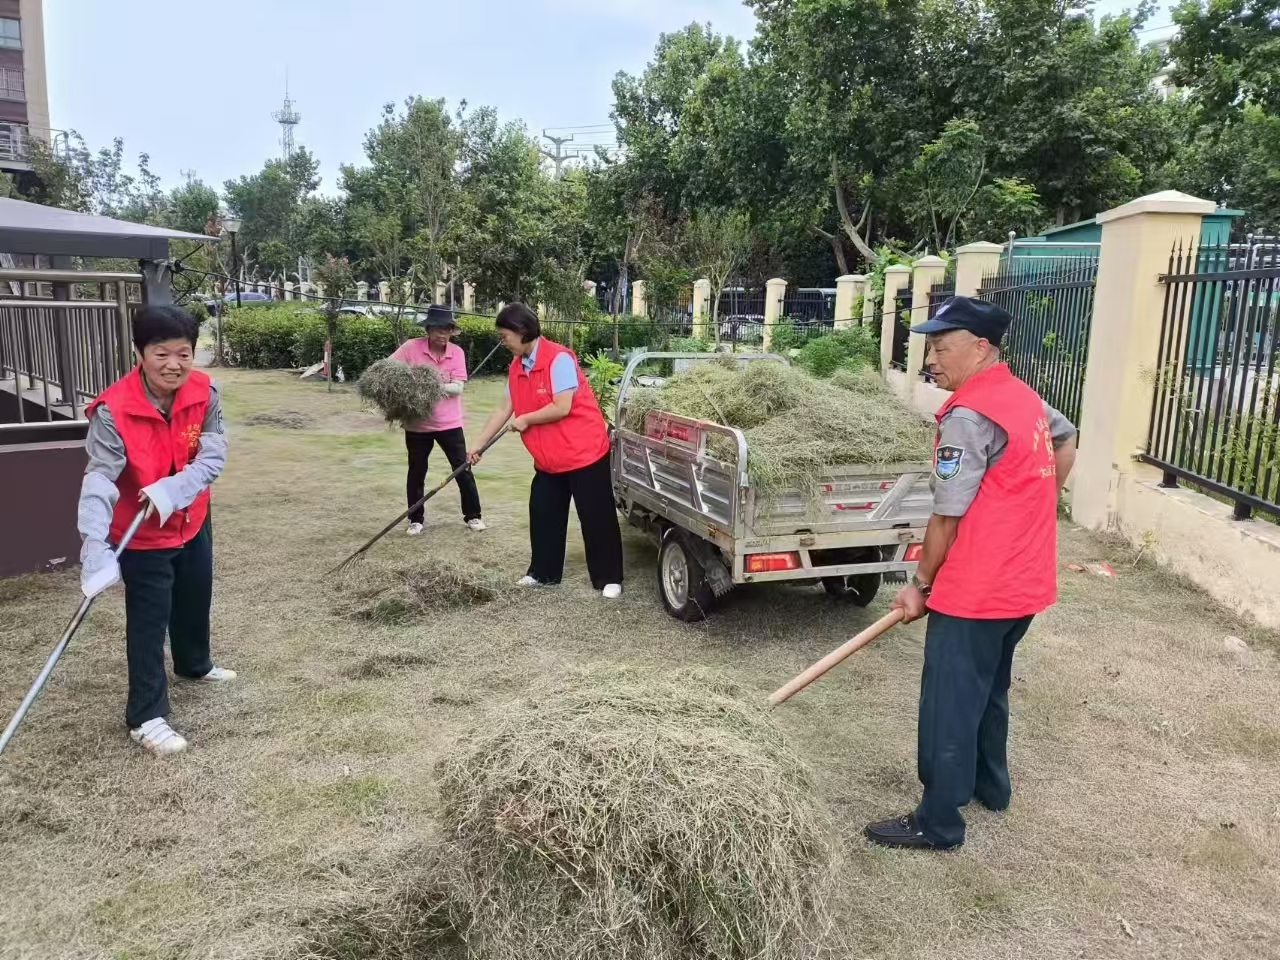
1146, 757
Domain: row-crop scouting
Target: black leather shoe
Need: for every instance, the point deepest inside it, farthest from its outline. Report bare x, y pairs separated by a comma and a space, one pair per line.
901, 832
994, 808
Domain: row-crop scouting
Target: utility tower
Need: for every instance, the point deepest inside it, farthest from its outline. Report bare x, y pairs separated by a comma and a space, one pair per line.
288, 118
559, 157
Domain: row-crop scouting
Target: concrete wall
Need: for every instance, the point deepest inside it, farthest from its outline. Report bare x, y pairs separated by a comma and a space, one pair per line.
1236, 562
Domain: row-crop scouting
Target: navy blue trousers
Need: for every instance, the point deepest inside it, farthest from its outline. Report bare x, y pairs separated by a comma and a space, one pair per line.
166, 592
963, 734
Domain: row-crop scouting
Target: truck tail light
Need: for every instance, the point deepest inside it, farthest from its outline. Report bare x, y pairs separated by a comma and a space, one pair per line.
914, 552
772, 562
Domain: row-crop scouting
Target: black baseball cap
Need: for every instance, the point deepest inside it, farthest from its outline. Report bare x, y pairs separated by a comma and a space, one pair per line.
979, 317
438, 317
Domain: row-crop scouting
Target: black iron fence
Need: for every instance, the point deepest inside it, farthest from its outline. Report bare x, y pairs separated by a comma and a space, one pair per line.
812, 305
1051, 302
939, 293
1215, 415
901, 328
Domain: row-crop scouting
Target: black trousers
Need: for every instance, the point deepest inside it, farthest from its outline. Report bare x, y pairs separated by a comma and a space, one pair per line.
454, 445
591, 488
166, 591
964, 720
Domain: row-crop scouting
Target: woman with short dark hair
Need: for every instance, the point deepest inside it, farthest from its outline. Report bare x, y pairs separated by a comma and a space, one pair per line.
155, 437
561, 425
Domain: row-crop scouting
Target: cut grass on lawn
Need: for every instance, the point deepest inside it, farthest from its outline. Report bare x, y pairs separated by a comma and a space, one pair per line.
304, 821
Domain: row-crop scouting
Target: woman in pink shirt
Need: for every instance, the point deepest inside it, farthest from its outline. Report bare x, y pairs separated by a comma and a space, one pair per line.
444, 426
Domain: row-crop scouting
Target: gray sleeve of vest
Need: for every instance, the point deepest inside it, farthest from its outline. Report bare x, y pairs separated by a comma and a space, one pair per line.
965, 446
1060, 428
98, 493
210, 459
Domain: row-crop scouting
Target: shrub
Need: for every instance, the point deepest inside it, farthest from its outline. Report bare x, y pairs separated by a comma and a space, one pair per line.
850, 347
361, 341
477, 338
689, 345
786, 337
263, 337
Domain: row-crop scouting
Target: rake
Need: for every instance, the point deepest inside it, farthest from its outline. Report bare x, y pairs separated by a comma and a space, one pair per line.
425, 497
67, 634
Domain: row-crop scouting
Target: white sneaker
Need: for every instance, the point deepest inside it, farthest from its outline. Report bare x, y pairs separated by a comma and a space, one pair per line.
414, 529
527, 581
217, 675
476, 524
156, 736
611, 591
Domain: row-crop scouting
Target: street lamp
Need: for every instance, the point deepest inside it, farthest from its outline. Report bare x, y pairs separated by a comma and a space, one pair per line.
232, 226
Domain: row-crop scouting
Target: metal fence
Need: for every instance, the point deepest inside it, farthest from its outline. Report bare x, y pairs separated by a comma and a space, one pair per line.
56, 355
939, 293
1051, 302
1216, 409
813, 305
901, 329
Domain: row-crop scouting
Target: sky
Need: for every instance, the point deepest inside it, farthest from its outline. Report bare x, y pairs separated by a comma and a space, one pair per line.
194, 85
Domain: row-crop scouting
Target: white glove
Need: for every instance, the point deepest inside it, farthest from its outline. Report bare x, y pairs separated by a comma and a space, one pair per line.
98, 568
163, 495
453, 388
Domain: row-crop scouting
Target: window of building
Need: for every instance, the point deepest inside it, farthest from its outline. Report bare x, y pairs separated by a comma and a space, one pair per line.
12, 85
10, 33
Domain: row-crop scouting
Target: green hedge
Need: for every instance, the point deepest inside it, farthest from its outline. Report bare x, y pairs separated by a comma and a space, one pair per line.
293, 335
851, 347
263, 338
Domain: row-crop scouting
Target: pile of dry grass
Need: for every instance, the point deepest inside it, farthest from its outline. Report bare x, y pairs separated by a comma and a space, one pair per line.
797, 426
860, 380
404, 393
621, 816
287, 419
392, 595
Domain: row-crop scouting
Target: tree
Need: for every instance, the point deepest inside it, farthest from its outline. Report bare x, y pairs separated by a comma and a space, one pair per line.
1227, 58
193, 207
272, 204
945, 179
519, 233
74, 178
411, 176
719, 241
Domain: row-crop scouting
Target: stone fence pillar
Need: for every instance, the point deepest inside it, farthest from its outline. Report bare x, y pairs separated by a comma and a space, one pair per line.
1124, 343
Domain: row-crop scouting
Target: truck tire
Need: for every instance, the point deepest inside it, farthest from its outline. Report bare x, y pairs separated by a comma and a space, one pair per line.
682, 584
859, 589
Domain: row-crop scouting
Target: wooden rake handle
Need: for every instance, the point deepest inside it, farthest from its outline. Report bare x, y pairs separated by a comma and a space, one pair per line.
835, 657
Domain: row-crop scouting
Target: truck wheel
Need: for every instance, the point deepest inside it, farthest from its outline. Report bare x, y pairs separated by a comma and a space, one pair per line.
682, 584
859, 589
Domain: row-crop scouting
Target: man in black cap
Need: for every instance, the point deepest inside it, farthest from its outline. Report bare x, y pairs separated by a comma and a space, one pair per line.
444, 426
1001, 456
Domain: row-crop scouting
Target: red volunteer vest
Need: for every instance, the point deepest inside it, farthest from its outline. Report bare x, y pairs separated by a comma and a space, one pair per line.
1003, 563
153, 450
581, 438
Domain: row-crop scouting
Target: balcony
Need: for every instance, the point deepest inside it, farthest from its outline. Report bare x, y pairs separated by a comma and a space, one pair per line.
15, 144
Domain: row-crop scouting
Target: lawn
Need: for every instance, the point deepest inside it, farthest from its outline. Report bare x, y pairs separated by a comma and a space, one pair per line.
1145, 755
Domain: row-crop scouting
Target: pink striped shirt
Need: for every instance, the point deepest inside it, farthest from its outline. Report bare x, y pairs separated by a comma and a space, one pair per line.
447, 414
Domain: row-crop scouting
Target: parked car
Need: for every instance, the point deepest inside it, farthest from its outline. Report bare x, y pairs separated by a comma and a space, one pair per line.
215, 305
742, 327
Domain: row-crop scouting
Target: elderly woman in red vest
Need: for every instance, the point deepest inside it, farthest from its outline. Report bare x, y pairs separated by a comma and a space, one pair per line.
560, 422
155, 436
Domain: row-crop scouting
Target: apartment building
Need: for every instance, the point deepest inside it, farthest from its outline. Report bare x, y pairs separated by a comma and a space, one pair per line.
24, 88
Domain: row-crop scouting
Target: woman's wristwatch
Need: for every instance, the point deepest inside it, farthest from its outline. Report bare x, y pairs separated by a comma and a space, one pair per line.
920, 585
